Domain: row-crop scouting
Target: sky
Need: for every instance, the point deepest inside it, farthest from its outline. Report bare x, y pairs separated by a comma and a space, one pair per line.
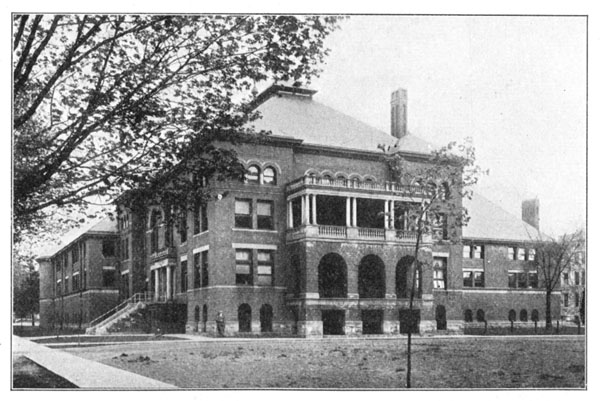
516, 85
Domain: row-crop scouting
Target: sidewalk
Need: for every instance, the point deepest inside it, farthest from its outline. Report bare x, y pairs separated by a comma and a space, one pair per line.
81, 372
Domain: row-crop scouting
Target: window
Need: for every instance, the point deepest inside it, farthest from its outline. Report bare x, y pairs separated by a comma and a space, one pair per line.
480, 315
512, 280
265, 268
252, 175
576, 299
565, 299
473, 278
439, 272
532, 278
473, 251
264, 211
243, 267
512, 315
125, 248
183, 228
511, 253
108, 277
196, 218
565, 278
76, 282
531, 255
204, 269
576, 278
521, 255
75, 253
66, 284
523, 315
58, 288
243, 213
468, 315
440, 227
108, 248
269, 176
155, 221
183, 275
466, 251
197, 270
522, 280
204, 218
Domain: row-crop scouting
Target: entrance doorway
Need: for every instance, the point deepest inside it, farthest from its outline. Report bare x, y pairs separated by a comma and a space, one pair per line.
440, 317
372, 321
333, 322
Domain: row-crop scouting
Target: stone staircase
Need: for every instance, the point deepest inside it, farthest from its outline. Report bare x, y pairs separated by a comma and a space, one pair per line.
116, 318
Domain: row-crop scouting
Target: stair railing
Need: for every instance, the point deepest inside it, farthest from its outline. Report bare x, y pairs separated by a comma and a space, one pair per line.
138, 297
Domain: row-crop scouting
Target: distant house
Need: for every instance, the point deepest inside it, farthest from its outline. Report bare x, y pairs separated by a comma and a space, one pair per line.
302, 246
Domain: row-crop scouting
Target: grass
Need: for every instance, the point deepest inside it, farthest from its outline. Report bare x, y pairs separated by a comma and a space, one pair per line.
103, 339
28, 374
507, 362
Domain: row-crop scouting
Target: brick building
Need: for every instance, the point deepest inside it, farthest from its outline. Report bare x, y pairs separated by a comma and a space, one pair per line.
303, 245
78, 281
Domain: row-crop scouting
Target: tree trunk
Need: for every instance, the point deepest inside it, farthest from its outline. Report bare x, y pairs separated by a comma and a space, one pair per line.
548, 309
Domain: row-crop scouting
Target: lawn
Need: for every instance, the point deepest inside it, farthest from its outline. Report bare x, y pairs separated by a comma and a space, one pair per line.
463, 362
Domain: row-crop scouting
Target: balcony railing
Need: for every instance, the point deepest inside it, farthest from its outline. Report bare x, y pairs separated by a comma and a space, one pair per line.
387, 186
353, 233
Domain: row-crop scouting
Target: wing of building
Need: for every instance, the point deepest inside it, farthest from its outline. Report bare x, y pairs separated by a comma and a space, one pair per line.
314, 242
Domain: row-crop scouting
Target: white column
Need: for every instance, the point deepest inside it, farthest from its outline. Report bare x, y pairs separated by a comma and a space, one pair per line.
386, 211
306, 210
392, 216
354, 212
169, 282
302, 207
348, 213
290, 215
156, 287
314, 209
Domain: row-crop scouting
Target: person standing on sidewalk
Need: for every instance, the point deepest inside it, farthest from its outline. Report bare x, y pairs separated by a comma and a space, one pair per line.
220, 324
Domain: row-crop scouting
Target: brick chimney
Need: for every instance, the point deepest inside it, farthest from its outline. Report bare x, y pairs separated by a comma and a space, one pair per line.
530, 212
398, 113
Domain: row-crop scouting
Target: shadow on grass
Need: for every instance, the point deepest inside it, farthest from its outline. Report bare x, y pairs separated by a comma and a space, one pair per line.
28, 375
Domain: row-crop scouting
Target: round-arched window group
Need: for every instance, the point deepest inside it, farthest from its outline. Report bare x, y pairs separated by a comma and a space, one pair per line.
512, 315
264, 176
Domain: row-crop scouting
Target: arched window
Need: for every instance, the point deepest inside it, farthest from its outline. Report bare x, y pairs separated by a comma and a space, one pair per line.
403, 268
327, 179
332, 276
523, 315
535, 315
341, 180
252, 174
480, 315
266, 318
512, 315
468, 315
269, 176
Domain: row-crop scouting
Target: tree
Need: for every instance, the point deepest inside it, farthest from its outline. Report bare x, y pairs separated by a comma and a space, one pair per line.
104, 103
26, 288
553, 257
435, 188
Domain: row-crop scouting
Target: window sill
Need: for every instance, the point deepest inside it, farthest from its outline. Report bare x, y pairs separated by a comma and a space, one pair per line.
200, 233
254, 230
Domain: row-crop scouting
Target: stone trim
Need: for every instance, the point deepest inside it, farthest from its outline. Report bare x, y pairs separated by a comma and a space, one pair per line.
254, 246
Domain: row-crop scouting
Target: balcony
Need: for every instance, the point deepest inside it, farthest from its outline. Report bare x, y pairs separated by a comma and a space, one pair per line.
386, 188
328, 232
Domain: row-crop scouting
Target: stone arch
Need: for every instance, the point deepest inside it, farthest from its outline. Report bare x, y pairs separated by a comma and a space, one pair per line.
333, 274
244, 318
266, 318
371, 277
402, 279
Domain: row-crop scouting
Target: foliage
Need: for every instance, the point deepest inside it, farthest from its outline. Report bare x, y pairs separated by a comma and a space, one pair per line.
26, 288
553, 257
104, 103
435, 188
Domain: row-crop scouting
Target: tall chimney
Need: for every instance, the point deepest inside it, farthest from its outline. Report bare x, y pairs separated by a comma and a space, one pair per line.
530, 212
398, 110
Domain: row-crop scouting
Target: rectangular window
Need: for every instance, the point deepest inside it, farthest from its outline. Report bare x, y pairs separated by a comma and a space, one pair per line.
467, 278
264, 210
576, 278
439, 272
522, 280
243, 267
479, 279
532, 278
204, 218
58, 288
565, 299
76, 282
521, 253
196, 270
108, 278
196, 218
108, 248
66, 285
576, 299
265, 268
296, 212
205, 269
125, 246
243, 213
512, 280
511, 253
183, 227
531, 255
565, 278
75, 254
466, 251
183, 275
477, 252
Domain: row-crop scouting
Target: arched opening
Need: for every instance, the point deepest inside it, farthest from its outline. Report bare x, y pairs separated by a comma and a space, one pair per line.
371, 277
468, 315
295, 277
252, 174
480, 315
523, 315
402, 278
440, 317
196, 317
244, 318
535, 315
512, 315
204, 317
332, 277
266, 318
